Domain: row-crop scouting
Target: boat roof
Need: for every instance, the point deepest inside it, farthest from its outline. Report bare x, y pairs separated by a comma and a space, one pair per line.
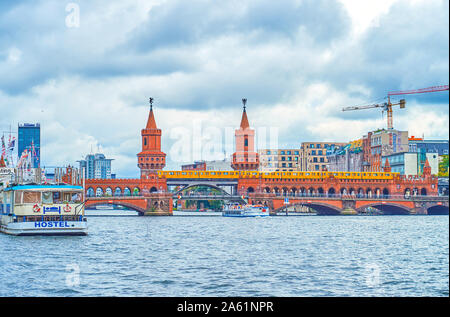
44, 187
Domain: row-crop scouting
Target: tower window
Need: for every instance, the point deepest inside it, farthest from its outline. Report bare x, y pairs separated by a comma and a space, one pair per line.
246, 142
145, 141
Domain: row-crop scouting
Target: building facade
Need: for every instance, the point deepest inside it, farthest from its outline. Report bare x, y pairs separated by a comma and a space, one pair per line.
429, 146
313, 155
217, 165
349, 158
196, 166
29, 139
286, 160
412, 163
96, 166
380, 143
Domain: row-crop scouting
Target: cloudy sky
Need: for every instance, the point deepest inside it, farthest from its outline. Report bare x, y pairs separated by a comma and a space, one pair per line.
85, 71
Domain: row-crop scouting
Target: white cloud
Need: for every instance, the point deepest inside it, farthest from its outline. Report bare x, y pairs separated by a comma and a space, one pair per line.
89, 86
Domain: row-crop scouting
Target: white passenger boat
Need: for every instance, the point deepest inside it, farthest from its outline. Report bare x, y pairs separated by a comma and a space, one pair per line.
42, 210
238, 210
104, 207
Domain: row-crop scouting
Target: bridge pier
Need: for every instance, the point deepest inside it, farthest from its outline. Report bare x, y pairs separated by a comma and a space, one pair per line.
349, 207
158, 204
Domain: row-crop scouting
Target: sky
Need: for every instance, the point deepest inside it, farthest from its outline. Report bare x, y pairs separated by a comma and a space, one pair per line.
85, 71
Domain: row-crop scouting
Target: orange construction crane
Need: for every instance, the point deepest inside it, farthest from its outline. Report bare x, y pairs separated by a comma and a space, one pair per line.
387, 106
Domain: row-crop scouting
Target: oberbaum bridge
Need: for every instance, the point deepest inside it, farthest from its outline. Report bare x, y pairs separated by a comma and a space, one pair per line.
328, 193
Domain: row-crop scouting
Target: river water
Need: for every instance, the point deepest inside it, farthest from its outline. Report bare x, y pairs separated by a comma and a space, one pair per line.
220, 256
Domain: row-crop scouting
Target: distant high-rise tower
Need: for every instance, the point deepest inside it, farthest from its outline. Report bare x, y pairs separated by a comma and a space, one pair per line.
245, 157
96, 166
151, 159
29, 138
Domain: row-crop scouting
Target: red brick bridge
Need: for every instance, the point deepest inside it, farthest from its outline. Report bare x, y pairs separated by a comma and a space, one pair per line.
326, 192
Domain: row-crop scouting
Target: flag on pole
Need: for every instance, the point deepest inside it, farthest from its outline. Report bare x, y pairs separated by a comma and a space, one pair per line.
3, 146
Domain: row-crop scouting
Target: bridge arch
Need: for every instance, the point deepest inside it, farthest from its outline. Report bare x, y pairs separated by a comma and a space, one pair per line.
385, 193
90, 192
153, 189
360, 192
320, 192
138, 209
118, 191
108, 191
438, 210
127, 191
250, 189
294, 191
99, 192
222, 191
387, 208
423, 192
331, 192
321, 208
407, 192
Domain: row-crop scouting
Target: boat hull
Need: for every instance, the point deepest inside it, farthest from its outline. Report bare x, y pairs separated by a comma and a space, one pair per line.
245, 214
45, 228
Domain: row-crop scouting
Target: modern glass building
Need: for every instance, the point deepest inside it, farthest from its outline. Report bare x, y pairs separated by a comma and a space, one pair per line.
29, 138
429, 146
96, 166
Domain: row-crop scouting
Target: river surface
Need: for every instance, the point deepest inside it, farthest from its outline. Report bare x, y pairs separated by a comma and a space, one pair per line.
220, 256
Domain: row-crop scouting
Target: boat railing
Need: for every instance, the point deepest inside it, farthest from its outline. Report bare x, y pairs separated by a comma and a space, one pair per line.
49, 218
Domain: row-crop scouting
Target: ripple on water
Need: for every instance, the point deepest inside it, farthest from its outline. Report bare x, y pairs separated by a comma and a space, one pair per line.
216, 256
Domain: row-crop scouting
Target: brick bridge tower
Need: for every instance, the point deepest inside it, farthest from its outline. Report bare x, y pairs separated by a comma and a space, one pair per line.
245, 158
151, 159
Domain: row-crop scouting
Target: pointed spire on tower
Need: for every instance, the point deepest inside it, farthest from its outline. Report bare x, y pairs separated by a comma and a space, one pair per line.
244, 120
426, 168
387, 166
2, 162
427, 164
151, 123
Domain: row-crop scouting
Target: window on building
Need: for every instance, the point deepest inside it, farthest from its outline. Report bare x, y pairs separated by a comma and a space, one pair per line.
313, 152
315, 159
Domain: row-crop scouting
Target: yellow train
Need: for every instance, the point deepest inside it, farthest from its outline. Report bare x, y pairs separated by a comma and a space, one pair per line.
274, 175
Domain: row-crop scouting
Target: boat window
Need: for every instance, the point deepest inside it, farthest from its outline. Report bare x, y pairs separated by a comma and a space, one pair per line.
75, 198
47, 198
18, 197
31, 197
57, 197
